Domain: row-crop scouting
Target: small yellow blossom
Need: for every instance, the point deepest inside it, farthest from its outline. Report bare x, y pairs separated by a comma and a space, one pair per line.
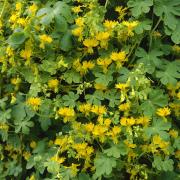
130, 26
33, 8
121, 11
176, 48
163, 112
120, 56
45, 39
26, 155
173, 133
85, 108
76, 9
143, 121
89, 127
124, 106
127, 121
99, 86
53, 84
104, 63
33, 144
67, 113
110, 24
99, 110
90, 43
35, 102
122, 86
26, 54
18, 6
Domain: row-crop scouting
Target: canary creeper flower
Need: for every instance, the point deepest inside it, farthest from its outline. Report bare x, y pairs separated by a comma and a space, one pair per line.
90, 43
121, 86
33, 144
53, 84
33, 8
34, 102
45, 39
67, 113
163, 112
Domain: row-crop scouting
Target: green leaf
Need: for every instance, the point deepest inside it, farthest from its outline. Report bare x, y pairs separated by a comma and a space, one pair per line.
104, 79
49, 66
139, 7
159, 127
5, 115
150, 60
18, 112
143, 26
104, 165
176, 34
117, 150
46, 15
95, 98
66, 42
163, 165
16, 39
170, 74
70, 99
72, 76
60, 24
156, 99
113, 96
168, 10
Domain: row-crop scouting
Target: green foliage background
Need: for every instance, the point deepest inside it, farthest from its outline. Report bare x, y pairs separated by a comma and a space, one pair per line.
38, 140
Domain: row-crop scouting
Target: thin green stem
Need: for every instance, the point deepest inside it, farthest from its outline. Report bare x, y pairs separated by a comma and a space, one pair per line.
107, 1
151, 33
2, 11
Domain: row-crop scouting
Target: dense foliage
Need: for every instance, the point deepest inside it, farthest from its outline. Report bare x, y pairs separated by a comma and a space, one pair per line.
89, 89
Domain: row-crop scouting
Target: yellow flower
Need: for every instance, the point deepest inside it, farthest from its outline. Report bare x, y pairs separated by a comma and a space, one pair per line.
101, 36
90, 43
22, 22
18, 6
121, 11
173, 133
110, 24
53, 84
127, 121
124, 107
130, 26
79, 21
120, 56
77, 31
35, 102
86, 65
32, 177
99, 110
99, 86
122, 86
57, 159
4, 127
85, 108
9, 51
45, 39
163, 112
13, 18
176, 48
116, 130
16, 81
104, 63
26, 155
107, 122
89, 127
99, 130
33, 8
33, 144
76, 9
129, 145
26, 54
74, 169
67, 113
143, 120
